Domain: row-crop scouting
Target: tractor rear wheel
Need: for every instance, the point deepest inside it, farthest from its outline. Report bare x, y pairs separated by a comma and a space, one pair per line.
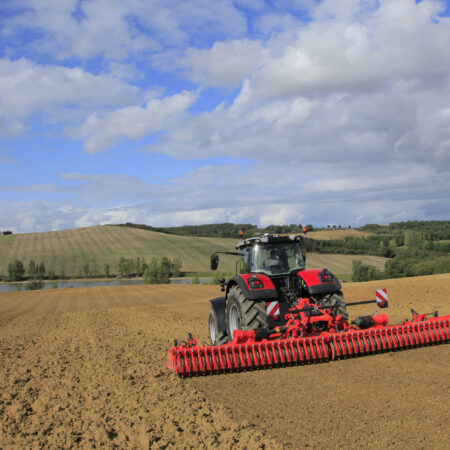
332, 300
243, 313
217, 337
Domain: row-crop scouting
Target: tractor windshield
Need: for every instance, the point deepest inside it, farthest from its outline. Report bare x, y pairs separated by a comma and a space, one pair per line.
276, 258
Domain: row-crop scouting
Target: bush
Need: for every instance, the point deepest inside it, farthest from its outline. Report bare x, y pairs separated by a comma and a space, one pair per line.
34, 285
156, 272
365, 272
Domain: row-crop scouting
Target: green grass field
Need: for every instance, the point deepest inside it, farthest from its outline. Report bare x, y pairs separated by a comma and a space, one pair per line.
67, 251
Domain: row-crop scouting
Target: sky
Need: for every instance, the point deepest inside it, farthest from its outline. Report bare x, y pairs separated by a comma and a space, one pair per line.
166, 113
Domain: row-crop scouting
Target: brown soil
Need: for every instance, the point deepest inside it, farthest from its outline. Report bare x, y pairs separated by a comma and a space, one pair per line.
86, 368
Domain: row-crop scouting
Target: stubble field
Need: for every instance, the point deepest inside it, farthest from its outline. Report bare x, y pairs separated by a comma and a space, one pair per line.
85, 368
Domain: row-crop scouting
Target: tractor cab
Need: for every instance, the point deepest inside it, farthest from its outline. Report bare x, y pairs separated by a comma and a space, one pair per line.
268, 254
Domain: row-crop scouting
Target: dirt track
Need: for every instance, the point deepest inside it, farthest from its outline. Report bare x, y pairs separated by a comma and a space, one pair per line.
86, 368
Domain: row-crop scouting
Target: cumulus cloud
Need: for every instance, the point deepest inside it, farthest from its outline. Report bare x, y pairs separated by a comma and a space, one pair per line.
27, 88
225, 64
133, 122
262, 193
116, 29
343, 107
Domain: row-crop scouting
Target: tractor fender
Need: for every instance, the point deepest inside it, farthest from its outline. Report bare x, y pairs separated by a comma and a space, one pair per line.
254, 286
219, 305
319, 281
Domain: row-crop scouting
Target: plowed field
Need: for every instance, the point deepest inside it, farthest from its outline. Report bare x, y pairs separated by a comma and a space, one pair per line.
86, 368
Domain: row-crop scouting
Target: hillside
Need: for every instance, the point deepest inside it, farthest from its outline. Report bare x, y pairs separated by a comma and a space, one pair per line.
67, 251
336, 234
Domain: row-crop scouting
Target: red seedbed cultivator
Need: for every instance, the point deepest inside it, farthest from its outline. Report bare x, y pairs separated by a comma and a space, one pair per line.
312, 334
276, 313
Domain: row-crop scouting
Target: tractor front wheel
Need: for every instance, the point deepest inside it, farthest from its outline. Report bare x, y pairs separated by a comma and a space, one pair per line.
243, 313
217, 337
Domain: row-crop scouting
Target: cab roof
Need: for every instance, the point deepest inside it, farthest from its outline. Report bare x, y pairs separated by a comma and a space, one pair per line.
268, 238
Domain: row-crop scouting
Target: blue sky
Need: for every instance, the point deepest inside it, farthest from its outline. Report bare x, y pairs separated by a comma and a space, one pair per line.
199, 111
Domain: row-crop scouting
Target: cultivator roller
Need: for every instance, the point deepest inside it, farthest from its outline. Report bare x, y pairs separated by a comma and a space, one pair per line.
312, 334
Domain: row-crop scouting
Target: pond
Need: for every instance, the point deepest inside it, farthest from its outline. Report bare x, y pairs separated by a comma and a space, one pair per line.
62, 284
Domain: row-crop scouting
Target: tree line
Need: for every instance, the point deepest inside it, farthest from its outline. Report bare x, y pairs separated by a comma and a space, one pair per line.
223, 230
350, 245
410, 262
157, 271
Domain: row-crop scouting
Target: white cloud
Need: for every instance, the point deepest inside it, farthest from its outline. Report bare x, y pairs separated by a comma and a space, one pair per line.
133, 122
263, 194
344, 116
116, 30
225, 64
27, 88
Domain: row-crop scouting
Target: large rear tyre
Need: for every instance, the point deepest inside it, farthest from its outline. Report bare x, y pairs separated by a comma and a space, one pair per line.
243, 313
217, 337
332, 300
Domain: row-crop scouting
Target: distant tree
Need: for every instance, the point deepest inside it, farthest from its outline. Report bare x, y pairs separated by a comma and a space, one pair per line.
126, 267
86, 269
137, 266
41, 271
121, 266
164, 270
176, 267
413, 238
31, 270
143, 266
152, 272
166, 265
16, 270
107, 270
51, 274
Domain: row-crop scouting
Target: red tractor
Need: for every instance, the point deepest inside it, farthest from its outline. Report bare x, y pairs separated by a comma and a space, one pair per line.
272, 278
275, 313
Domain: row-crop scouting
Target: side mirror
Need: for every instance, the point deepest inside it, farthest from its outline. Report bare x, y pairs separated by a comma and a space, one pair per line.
214, 261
